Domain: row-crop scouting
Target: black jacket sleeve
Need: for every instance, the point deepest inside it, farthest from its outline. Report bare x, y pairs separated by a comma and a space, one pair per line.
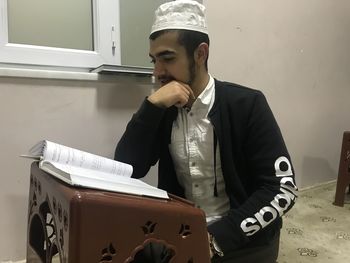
265, 172
139, 145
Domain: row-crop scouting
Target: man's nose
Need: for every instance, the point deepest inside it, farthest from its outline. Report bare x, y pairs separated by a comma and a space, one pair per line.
158, 69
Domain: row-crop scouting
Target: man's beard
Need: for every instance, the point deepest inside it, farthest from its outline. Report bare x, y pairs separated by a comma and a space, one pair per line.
192, 72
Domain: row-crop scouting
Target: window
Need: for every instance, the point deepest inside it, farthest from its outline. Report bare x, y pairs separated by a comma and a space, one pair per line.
82, 34
60, 33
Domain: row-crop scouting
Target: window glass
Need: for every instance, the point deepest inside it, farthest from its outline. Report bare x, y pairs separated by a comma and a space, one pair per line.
136, 18
51, 23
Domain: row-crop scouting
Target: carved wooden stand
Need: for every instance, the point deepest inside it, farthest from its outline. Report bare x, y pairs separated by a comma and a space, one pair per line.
76, 225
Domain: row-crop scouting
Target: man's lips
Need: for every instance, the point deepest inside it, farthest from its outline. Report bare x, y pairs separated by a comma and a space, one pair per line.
165, 81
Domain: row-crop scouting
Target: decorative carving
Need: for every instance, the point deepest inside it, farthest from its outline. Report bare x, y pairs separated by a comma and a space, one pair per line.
149, 227
65, 220
184, 231
33, 203
42, 234
39, 187
108, 253
59, 212
50, 227
35, 184
54, 205
152, 250
61, 238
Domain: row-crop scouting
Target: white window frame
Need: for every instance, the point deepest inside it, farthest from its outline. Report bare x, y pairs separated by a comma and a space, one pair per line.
106, 42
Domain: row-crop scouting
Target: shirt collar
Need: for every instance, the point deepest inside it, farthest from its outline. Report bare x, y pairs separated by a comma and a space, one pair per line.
206, 95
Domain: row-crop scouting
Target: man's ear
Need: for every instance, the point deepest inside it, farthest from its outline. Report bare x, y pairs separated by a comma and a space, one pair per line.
201, 53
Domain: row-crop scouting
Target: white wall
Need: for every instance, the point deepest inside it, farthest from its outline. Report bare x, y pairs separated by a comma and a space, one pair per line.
296, 52
90, 116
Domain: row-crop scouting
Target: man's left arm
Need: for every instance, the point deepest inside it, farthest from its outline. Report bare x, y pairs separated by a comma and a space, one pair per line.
271, 174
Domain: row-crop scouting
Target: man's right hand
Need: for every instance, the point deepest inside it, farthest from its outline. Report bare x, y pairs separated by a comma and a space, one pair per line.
174, 93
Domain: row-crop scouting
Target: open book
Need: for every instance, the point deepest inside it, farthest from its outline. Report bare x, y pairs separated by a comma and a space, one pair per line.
83, 169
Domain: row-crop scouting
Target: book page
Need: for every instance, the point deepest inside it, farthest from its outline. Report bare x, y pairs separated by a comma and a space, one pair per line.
83, 169
78, 176
73, 157
135, 186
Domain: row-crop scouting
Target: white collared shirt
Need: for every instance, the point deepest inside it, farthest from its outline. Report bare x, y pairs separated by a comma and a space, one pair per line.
192, 151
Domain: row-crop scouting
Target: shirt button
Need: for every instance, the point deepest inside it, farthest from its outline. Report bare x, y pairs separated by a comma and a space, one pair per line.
196, 185
191, 114
193, 164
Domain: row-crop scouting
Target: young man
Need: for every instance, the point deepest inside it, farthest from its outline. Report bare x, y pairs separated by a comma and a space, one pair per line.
217, 143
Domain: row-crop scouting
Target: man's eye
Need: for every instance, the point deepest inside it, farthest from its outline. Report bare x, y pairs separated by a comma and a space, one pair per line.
168, 59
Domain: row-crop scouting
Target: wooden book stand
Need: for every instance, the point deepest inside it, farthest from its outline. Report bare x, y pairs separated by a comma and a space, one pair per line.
77, 225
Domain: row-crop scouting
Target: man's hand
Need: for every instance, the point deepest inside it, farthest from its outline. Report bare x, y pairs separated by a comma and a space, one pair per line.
173, 93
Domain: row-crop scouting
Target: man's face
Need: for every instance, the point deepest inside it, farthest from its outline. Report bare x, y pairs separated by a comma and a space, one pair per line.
170, 60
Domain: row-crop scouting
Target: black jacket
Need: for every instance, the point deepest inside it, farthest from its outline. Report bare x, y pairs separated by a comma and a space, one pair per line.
256, 166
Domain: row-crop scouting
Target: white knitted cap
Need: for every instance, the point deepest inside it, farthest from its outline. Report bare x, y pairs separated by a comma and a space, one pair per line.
180, 14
